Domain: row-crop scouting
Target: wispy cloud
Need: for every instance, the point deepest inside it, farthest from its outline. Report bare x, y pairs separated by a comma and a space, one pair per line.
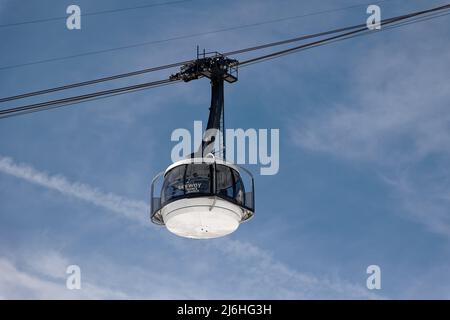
19, 284
251, 271
277, 280
135, 210
397, 120
257, 276
425, 197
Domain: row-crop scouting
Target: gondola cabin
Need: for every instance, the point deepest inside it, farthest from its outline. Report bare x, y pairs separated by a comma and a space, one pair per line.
203, 198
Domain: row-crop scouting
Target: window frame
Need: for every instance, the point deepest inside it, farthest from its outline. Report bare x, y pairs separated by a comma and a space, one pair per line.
213, 191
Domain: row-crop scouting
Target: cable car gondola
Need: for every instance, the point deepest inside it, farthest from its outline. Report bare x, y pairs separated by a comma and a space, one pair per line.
205, 197
202, 198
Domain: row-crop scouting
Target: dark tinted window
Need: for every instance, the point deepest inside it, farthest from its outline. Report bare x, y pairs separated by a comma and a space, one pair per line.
229, 184
192, 179
224, 181
198, 178
173, 184
186, 180
239, 190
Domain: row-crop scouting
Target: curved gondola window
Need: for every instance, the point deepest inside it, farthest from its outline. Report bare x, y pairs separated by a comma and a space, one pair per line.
239, 190
173, 184
193, 179
186, 180
224, 181
229, 184
198, 179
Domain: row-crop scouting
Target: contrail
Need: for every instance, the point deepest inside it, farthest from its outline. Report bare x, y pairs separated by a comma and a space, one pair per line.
274, 273
136, 210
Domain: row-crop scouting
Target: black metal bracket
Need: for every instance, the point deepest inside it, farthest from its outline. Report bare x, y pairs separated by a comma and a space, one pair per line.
218, 68
210, 65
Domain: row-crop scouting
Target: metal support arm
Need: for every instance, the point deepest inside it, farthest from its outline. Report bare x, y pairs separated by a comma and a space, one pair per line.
218, 69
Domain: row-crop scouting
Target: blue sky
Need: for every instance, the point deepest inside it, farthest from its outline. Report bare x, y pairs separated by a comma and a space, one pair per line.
364, 176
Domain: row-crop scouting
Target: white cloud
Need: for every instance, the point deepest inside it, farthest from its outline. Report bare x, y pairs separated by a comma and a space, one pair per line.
396, 118
426, 200
274, 280
401, 101
18, 284
51, 264
250, 271
135, 210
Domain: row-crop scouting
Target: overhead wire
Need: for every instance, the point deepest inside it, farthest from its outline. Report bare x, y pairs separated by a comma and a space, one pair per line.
147, 70
86, 100
181, 37
400, 20
344, 35
94, 13
81, 98
94, 81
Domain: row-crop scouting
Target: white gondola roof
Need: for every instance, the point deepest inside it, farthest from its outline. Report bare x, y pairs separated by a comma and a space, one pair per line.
208, 160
